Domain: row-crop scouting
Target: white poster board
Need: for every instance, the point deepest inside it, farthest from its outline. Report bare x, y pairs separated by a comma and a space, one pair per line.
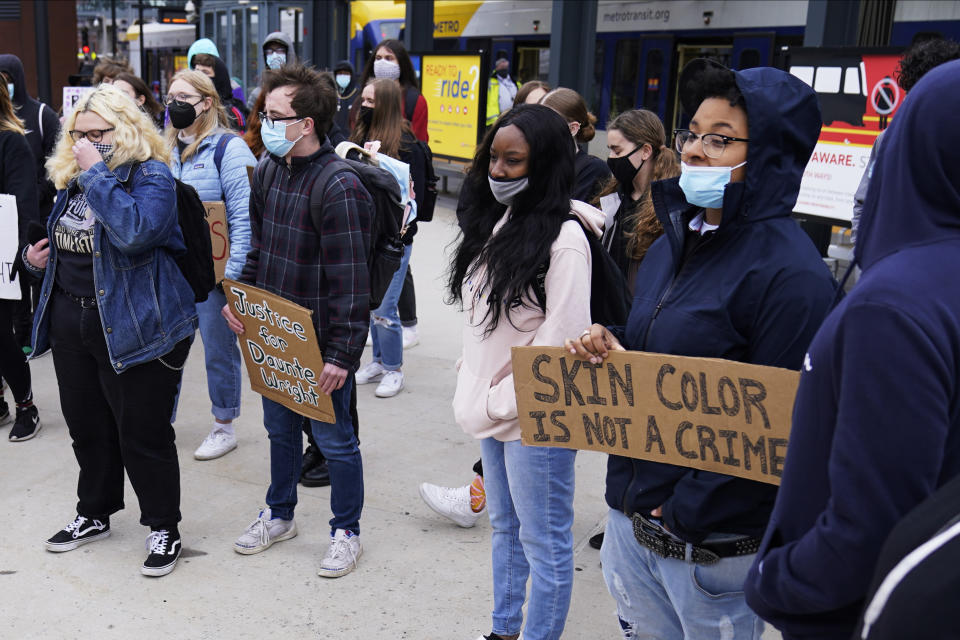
71, 96
9, 286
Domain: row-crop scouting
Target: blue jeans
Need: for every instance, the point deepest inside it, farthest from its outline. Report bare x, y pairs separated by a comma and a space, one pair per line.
336, 442
530, 501
385, 330
669, 598
222, 358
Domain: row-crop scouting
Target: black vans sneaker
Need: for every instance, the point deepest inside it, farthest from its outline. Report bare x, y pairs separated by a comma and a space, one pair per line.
164, 548
79, 532
26, 426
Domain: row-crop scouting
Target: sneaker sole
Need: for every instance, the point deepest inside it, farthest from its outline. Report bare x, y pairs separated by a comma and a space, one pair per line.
200, 456
387, 395
458, 521
156, 572
375, 378
336, 573
70, 546
13, 438
254, 550
410, 345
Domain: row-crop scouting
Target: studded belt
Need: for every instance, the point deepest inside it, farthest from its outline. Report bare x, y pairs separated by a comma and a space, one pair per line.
85, 303
653, 537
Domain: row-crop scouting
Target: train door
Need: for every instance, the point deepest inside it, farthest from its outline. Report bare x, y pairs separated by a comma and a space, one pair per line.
722, 53
531, 62
656, 55
752, 50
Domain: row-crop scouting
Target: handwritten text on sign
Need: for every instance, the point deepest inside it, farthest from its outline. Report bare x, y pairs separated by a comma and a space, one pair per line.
702, 413
216, 213
9, 234
280, 350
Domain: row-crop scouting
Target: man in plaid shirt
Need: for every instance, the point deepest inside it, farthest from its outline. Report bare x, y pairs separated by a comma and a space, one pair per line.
323, 268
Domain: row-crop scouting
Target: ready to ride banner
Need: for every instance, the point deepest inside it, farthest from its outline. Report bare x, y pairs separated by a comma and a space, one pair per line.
859, 96
703, 413
454, 87
279, 347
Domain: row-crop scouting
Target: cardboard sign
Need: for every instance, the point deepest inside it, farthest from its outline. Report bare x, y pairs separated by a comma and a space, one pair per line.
9, 243
250, 171
280, 349
702, 413
71, 96
216, 214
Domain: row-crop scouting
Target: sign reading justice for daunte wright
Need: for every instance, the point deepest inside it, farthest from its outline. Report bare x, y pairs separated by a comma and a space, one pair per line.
280, 350
714, 415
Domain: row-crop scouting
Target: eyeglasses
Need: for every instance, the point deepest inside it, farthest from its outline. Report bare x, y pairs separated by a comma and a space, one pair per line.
93, 135
181, 97
713, 144
267, 121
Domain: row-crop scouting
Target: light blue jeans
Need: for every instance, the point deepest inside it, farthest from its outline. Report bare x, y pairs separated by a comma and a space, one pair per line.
530, 501
665, 598
385, 329
222, 358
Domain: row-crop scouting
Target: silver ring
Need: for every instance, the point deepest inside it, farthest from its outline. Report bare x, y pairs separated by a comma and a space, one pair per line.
586, 332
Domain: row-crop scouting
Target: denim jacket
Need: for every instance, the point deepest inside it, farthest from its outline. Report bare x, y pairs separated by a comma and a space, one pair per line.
146, 305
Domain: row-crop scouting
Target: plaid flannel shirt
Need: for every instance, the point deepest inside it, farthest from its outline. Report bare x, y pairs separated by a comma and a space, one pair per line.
326, 271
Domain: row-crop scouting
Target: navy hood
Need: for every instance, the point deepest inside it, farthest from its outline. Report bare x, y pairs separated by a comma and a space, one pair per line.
11, 65
221, 81
914, 194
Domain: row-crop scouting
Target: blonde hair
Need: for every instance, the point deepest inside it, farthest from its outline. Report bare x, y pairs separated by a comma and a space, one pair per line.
9, 121
209, 121
135, 138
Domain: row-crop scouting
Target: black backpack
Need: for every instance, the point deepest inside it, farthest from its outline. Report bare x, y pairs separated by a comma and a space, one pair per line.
196, 264
609, 297
429, 200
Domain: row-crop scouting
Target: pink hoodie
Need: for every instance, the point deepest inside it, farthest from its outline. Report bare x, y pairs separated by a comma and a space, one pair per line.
484, 404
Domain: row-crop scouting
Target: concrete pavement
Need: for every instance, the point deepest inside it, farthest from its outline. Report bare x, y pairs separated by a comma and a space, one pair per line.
420, 576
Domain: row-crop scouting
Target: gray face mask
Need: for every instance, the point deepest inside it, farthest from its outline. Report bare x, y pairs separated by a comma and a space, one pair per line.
505, 191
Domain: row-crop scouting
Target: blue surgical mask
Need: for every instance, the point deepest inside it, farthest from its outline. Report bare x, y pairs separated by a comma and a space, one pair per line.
276, 60
505, 191
275, 138
10, 89
343, 81
703, 186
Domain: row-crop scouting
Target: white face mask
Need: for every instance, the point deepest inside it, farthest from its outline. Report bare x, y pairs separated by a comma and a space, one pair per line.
386, 69
505, 191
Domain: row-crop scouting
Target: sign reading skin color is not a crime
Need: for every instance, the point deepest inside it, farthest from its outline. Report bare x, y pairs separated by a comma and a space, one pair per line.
280, 349
703, 413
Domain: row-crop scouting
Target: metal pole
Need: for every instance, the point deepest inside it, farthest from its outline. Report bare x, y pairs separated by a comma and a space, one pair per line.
42, 33
418, 28
113, 25
573, 44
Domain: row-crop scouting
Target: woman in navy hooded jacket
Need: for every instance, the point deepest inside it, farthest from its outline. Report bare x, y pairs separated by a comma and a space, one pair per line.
876, 424
732, 277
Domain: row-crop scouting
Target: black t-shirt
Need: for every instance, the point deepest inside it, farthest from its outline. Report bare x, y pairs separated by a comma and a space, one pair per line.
73, 235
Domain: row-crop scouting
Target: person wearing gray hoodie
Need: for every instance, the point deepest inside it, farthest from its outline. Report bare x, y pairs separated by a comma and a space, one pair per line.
278, 50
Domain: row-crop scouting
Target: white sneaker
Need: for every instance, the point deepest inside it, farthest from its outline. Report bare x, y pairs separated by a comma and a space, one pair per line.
370, 372
411, 337
391, 385
263, 532
453, 503
342, 554
216, 444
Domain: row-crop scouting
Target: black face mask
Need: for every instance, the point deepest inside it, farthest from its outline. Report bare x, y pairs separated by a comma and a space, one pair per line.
624, 171
366, 116
182, 114
503, 73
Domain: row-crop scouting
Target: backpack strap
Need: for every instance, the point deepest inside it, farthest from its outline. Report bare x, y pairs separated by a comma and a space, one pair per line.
410, 99
320, 187
221, 149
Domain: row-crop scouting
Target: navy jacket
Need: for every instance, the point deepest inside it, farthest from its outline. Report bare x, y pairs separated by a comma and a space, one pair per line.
876, 424
755, 292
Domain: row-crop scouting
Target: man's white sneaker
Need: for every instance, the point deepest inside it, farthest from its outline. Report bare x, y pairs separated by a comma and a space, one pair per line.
411, 337
263, 532
370, 372
453, 503
391, 384
342, 554
216, 444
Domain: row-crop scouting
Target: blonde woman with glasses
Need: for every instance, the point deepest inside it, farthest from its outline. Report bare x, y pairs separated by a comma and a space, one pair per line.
119, 316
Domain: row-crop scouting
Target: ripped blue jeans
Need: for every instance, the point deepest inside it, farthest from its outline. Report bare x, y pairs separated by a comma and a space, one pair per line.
386, 333
660, 598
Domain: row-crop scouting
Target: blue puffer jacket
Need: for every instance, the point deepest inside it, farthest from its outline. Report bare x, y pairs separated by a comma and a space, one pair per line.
230, 185
145, 304
754, 292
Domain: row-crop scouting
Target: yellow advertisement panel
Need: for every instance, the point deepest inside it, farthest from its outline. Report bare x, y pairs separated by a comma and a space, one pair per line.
451, 86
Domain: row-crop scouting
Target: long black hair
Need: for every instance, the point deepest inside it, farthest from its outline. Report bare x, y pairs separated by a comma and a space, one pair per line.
408, 77
514, 256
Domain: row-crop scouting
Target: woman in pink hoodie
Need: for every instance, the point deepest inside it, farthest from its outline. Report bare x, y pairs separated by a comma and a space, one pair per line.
521, 220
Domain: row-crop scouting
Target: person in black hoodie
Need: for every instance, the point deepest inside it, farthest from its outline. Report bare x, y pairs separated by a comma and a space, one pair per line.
347, 92
42, 126
216, 69
733, 277
876, 424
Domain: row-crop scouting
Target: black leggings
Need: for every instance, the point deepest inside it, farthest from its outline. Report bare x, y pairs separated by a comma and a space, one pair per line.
13, 363
407, 305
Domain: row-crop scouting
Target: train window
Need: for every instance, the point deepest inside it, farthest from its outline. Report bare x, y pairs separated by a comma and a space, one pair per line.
626, 67
651, 89
851, 80
749, 58
236, 51
254, 52
597, 77
804, 73
291, 23
222, 31
208, 24
827, 80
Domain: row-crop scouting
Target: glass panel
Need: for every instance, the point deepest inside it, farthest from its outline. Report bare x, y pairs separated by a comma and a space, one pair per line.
254, 52
597, 77
654, 71
625, 70
221, 40
236, 51
291, 23
207, 25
